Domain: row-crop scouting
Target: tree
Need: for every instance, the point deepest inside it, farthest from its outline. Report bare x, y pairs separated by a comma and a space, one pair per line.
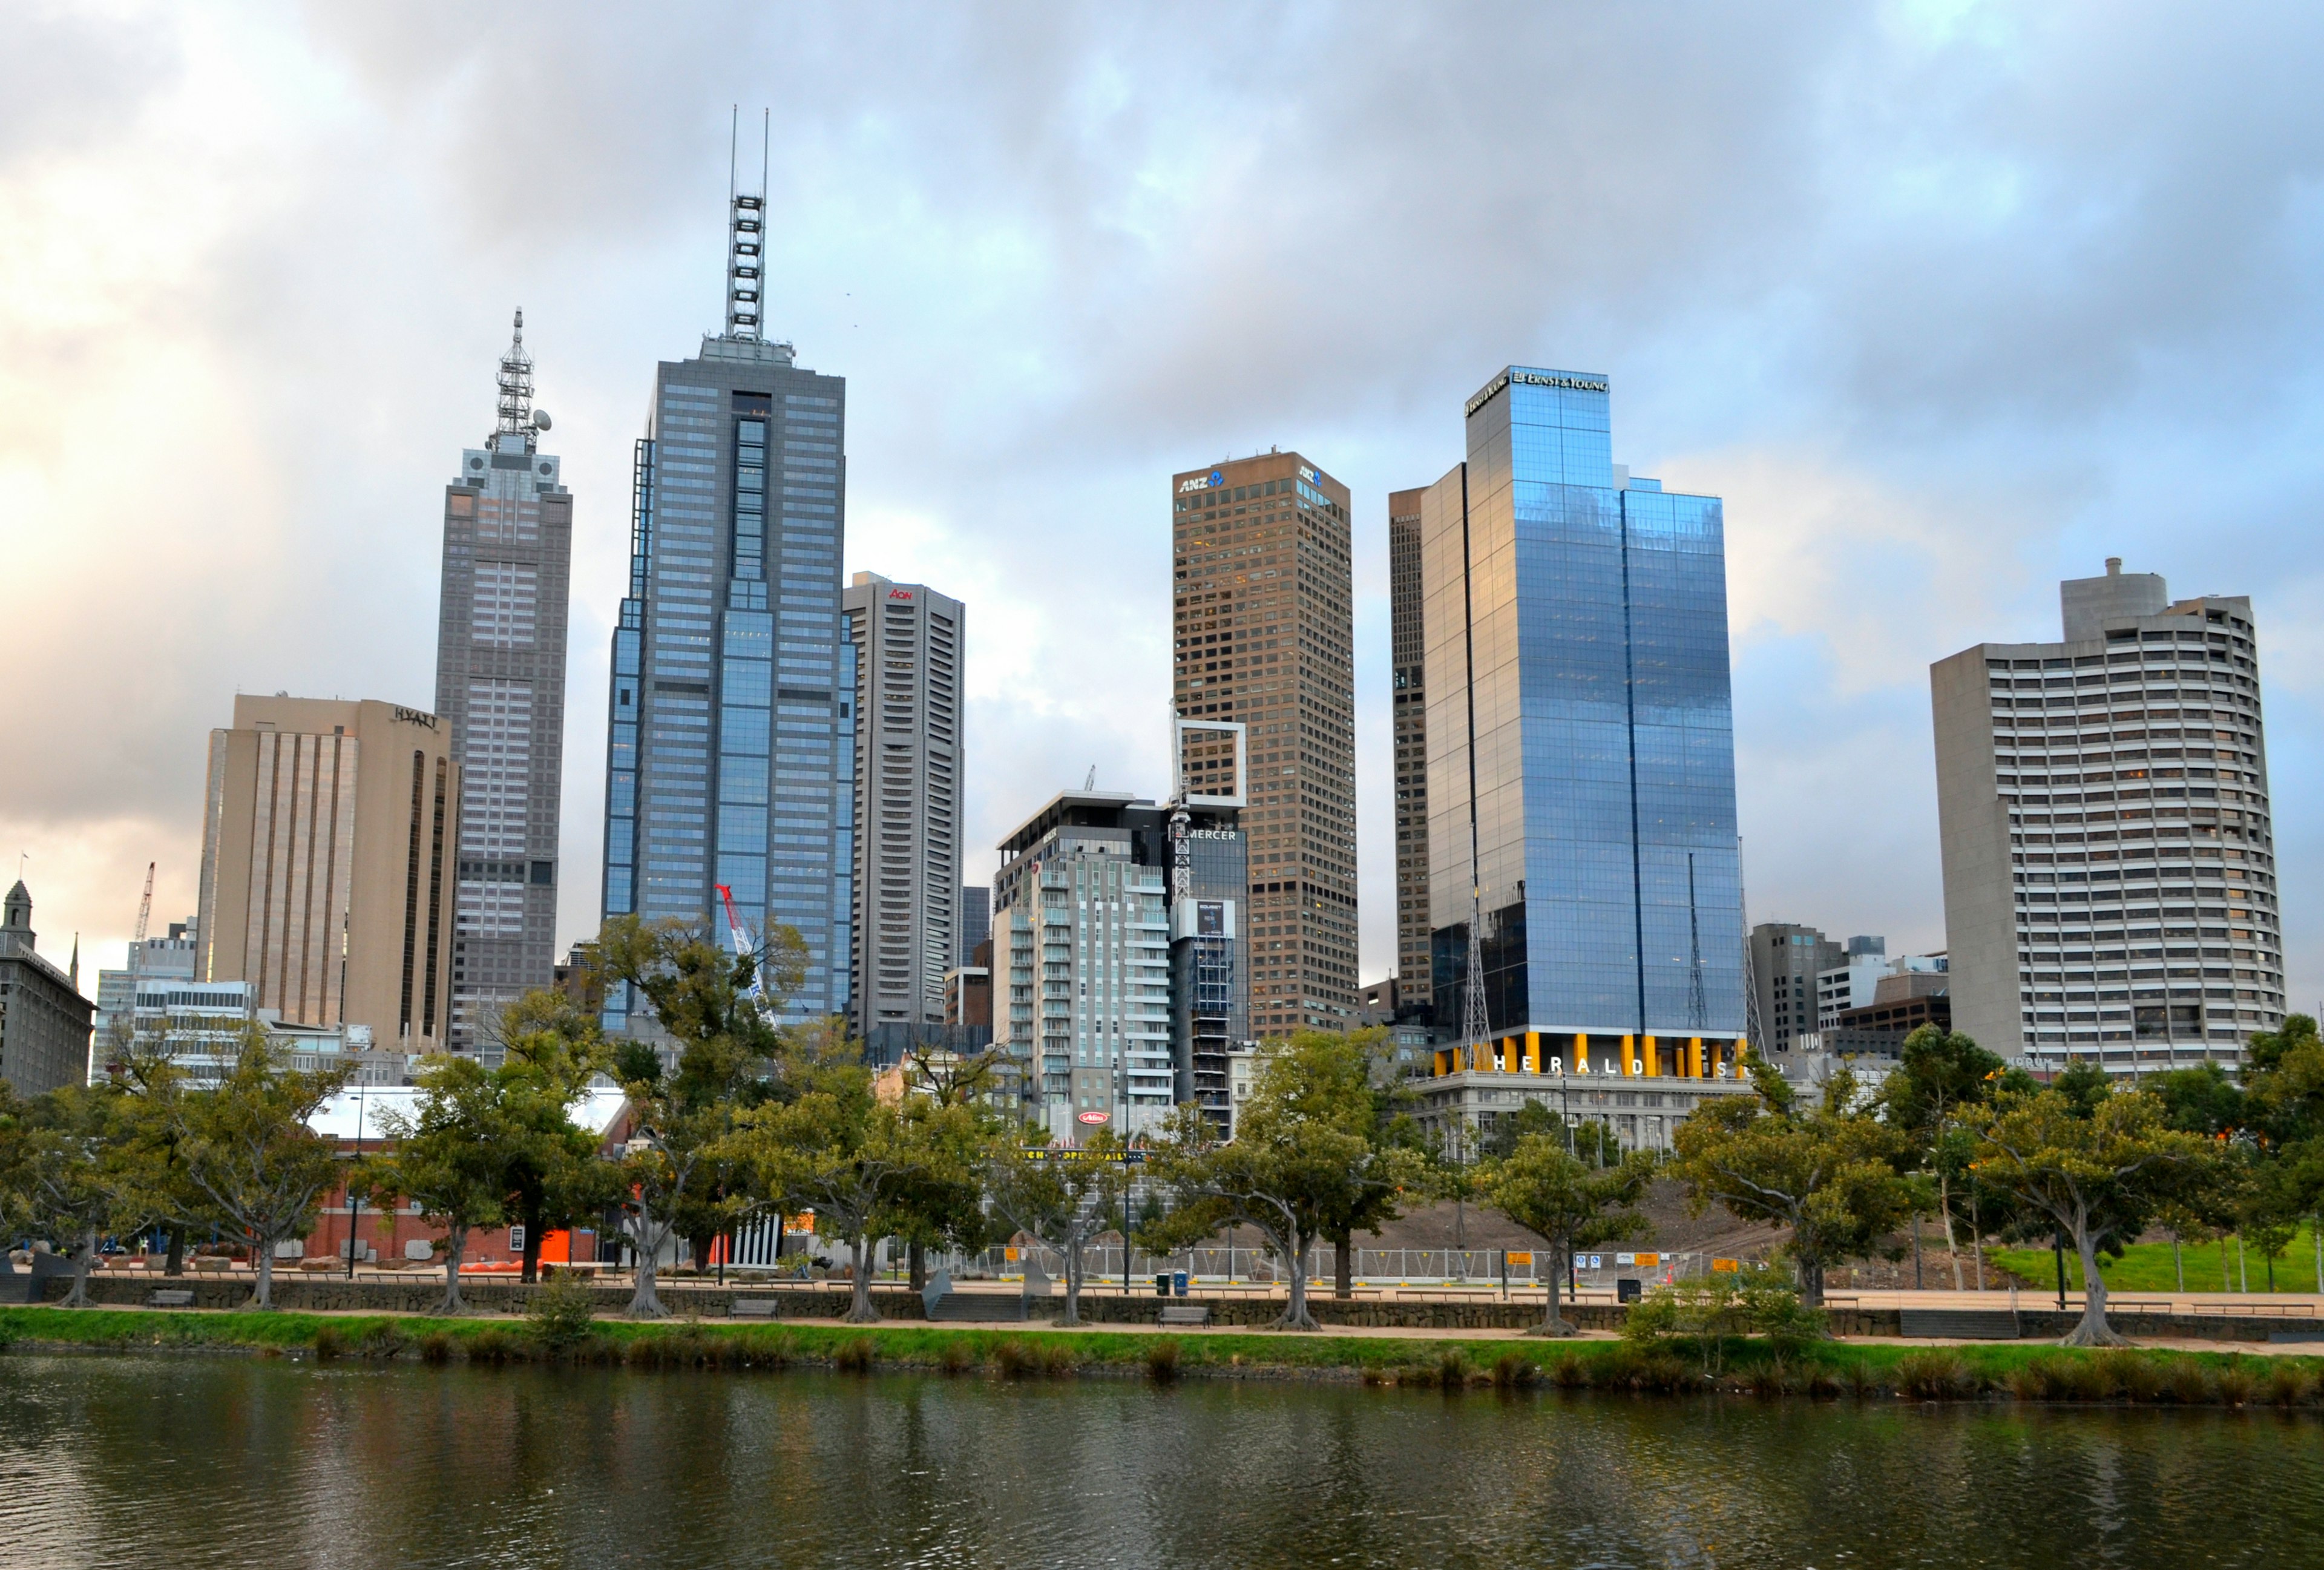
861, 1164
1062, 1196
1304, 1158
1832, 1175
1364, 1207
551, 1048
2098, 1179
1567, 1204
715, 1005
251, 1157
452, 1160
60, 1173
1938, 1073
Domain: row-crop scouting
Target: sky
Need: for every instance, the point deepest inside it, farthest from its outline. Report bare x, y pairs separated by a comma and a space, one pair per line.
1949, 300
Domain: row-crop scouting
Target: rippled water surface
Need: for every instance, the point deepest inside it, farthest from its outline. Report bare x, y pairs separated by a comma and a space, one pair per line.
146, 1462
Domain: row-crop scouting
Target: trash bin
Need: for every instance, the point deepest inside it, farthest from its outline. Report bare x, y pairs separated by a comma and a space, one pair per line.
1162, 1284
1178, 1282
1625, 1289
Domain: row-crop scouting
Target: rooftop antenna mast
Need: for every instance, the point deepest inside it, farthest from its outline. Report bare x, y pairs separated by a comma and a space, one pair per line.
515, 380
1697, 1010
746, 236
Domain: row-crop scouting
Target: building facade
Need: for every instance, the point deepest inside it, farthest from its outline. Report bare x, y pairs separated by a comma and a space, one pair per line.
1408, 655
169, 958
975, 919
1848, 982
330, 850
1119, 974
2108, 846
1263, 618
731, 733
908, 642
1787, 964
44, 1021
1581, 748
499, 690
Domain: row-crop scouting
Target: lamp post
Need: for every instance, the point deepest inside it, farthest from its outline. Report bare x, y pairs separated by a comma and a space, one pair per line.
354, 1200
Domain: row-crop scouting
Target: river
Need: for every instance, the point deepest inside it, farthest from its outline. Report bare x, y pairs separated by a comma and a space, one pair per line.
189, 1462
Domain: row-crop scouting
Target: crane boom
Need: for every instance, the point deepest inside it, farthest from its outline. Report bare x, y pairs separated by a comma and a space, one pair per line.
739, 936
145, 905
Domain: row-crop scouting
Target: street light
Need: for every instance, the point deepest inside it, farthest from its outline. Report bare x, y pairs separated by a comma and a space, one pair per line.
354, 1200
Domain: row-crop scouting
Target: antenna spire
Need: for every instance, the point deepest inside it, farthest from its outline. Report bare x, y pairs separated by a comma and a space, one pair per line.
516, 388
745, 244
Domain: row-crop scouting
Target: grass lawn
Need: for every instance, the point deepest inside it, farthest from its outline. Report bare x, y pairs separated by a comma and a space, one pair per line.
2147, 1267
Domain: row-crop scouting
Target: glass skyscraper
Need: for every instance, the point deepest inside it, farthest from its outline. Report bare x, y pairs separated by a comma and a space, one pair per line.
730, 758
1580, 787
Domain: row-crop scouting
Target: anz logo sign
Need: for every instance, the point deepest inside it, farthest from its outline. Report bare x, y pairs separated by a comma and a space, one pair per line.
1209, 481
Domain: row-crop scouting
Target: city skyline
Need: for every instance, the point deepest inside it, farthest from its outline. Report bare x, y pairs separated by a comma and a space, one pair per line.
1858, 553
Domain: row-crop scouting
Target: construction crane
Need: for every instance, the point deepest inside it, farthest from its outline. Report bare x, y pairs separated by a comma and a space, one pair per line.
740, 937
137, 945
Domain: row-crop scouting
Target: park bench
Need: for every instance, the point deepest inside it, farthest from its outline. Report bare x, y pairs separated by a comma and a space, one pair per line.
1195, 1313
753, 1308
173, 1297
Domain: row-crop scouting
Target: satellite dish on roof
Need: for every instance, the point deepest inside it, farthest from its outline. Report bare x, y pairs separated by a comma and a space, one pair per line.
540, 419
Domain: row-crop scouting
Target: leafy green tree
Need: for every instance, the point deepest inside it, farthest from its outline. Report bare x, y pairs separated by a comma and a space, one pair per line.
251, 1158
1939, 1072
2098, 1178
551, 1048
863, 1164
1062, 1196
1832, 1175
61, 1173
1568, 1204
1305, 1157
451, 1157
2201, 1100
1714, 1309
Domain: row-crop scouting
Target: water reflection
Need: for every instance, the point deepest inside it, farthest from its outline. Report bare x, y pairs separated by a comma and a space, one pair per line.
123, 1461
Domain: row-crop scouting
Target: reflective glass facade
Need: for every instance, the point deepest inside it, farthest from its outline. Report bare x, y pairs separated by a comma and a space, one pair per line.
731, 746
1580, 731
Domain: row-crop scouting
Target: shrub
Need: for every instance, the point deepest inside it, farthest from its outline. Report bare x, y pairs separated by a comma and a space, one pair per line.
955, 1358
1933, 1375
1569, 1373
384, 1339
2287, 1384
1013, 1358
1860, 1381
435, 1346
490, 1344
1821, 1383
2036, 1379
561, 1310
2235, 1382
852, 1355
2130, 1375
1514, 1371
642, 1352
1057, 1360
329, 1344
1420, 1376
1453, 1368
2186, 1381
1162, 1361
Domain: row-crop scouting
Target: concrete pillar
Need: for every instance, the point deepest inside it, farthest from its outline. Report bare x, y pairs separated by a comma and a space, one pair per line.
1533, 1052
1629, 1056
1694, 1058
1654, 1060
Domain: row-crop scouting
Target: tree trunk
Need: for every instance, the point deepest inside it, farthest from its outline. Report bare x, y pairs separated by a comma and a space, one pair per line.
1343, 1266
645, 1302
456, 1245
1553, 1322
263, 1257
2178, 1264
174, 1262
918, 1256
1945, 1208
529, 1210
1811, 1281
1294, 1313
860, 1311
1072, 1253
1916, 1253
2094, 1330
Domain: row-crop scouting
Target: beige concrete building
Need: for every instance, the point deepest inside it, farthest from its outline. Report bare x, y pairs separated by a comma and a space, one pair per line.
1407, 650
2109, 857
1263, 617
329, 865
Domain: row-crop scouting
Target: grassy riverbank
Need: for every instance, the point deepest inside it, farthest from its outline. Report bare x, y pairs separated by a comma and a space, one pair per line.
2025, 1373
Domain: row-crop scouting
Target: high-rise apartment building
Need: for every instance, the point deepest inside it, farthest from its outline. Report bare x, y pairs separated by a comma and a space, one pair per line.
500, 691
1580, 747
330, 850
1407, 654
2109, 856
1118, 958
908, 642
1787, 962
975, 919
732, 732
1264, 631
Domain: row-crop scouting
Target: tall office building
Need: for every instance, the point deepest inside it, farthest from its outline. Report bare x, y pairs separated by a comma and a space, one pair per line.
330, 844
2110, 859
1581, 746
1119, 973
975, 919
731, 733
169, 958
1263, 621
499, 690
1787, 962
907, 640
1407, 647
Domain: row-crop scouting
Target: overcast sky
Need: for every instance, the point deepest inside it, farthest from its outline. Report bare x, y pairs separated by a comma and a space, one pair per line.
1947, 299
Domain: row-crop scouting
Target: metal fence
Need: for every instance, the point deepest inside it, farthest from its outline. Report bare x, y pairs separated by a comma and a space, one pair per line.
1102, 1264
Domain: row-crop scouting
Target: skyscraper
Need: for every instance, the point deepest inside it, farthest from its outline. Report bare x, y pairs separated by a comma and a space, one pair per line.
1786, 961
1263, 618
330, 849
908, 642
500, 691
730, 751
1408, 655
2109, 856
1581, 746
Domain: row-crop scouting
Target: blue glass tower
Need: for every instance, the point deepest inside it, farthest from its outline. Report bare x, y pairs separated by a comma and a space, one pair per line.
1580, 742
730, 752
